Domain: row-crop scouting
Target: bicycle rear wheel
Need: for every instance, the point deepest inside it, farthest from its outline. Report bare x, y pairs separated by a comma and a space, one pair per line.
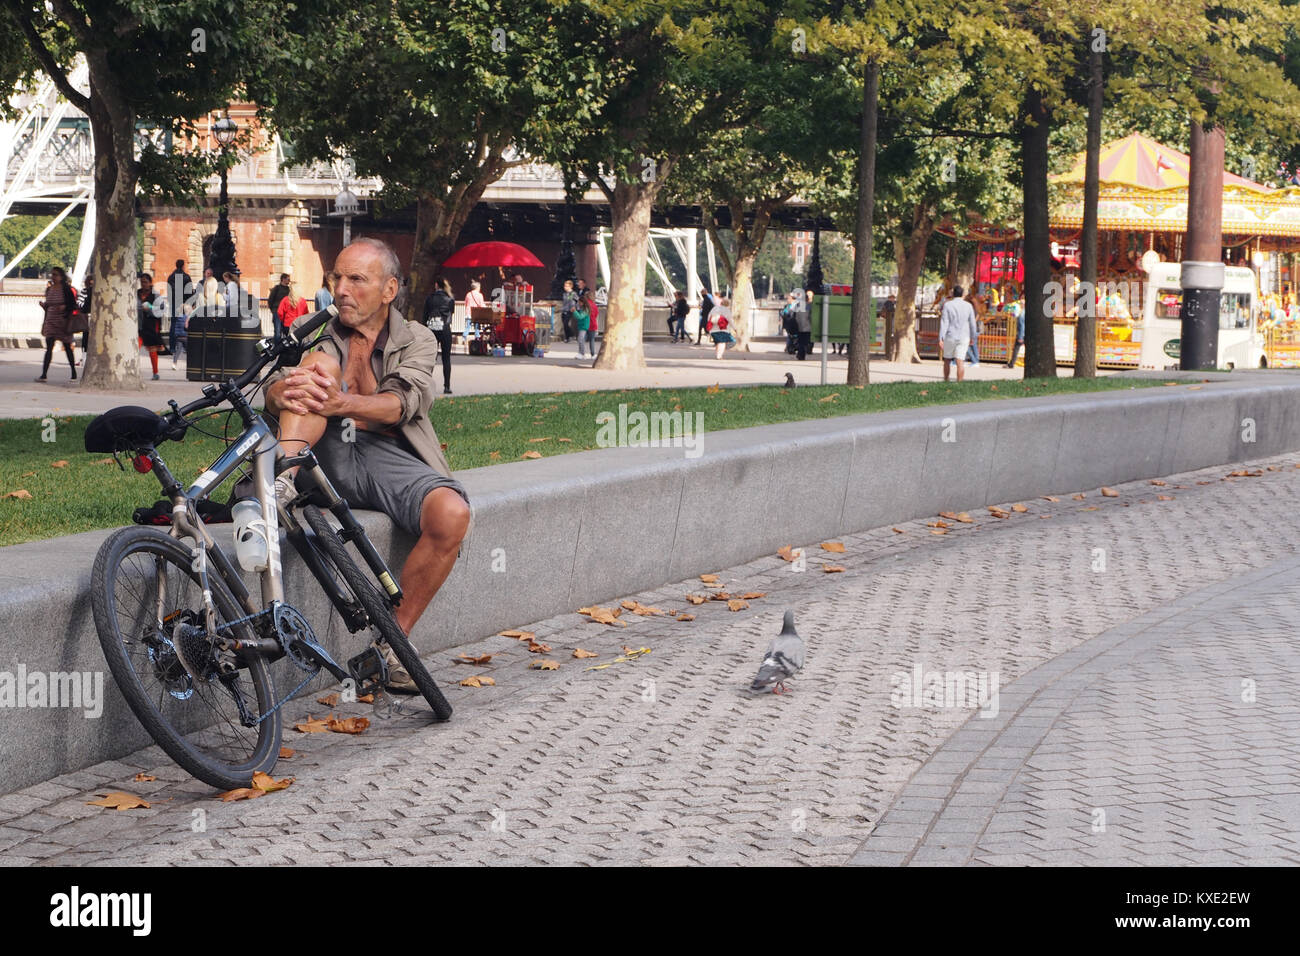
378, 609
148, 606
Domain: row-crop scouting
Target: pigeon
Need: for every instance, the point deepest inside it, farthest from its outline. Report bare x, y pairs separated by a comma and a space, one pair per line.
789, 380
782, 659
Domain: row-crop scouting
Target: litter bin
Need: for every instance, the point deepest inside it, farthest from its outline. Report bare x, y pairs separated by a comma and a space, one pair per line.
221, 346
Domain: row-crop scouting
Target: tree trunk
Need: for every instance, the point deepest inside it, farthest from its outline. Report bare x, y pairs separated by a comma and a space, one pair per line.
748, 243
1085, 356
622, 320
438, 223
910, 262
114, 358
859, 372
1040, 351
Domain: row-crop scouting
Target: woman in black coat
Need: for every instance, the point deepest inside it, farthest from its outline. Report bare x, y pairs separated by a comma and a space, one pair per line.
439, 306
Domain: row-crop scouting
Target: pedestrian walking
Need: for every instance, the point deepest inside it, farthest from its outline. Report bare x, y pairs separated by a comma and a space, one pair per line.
439, 306
180, 289
720, 327
973, 350
1017, 312
593, 307
290, 307
582, 322
707, 304
147, 320
274, 298
59, 304
325, 294
677, 317
803, 324
213, 300
568, 301
957, 329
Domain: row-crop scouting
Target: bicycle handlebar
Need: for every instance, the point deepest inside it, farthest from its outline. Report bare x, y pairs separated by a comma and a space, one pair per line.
215, 395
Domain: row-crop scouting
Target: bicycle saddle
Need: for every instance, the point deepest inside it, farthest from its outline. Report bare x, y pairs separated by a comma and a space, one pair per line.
127, 426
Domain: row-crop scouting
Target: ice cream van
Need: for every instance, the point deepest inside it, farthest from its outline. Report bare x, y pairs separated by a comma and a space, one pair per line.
1241, 344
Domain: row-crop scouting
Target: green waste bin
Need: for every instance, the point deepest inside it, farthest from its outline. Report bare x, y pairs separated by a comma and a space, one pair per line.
841, 316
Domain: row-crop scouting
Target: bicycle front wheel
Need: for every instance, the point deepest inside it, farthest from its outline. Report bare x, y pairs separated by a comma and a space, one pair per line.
378, 609
212, 710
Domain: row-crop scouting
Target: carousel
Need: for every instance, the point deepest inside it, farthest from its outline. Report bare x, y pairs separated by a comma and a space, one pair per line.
1142, 220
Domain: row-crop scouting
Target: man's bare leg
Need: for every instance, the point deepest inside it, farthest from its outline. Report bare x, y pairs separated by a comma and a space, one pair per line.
444, 519
947, 369
961, 370
298, 432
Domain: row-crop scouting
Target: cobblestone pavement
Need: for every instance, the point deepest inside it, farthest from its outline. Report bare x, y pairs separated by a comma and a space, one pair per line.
1120, 630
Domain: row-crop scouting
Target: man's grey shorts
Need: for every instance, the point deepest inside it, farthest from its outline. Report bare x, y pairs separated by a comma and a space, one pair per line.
380, 473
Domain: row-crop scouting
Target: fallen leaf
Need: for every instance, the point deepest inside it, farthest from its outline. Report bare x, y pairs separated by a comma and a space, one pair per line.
643, 610
531, 454
923, 393
832, 568
1192, 388
789, 554
119, 801
948, 514
937, 524
1157, 482
579, 653
313, 726
1164, 497
366, 699
61, 463
709, 578
536, 647
564, 439
829, 398
1050, 498
518, 635
685, 617
265, 783
243, 793
1044, 516
938, 531
286, 753
735, 604
467, 659
329, 700
603, 615
1079, 497
478, 681
545, 664
1089, 508
143, 777
1205, 482
753, 595
834, 546
1273, 468
696, 599
106, 461
496, 424
1243, 473
965, 518
1019, 509
494, 454
20, 493
1109, 493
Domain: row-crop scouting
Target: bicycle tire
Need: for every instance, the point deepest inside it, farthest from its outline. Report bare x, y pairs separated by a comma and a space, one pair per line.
378, 609
208, 743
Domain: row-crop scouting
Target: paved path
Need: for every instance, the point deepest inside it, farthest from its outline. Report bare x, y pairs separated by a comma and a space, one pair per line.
561, 370
1120, 630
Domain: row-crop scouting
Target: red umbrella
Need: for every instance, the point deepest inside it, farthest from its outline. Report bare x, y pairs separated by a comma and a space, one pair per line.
492, 254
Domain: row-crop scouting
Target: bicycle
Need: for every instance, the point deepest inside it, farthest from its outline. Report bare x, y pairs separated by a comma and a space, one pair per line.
187, 643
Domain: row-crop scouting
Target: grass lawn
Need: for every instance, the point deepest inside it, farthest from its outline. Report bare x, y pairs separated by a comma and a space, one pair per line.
89, 491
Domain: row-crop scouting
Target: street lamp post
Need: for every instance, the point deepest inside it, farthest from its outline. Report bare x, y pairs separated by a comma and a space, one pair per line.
222, 257
346, 205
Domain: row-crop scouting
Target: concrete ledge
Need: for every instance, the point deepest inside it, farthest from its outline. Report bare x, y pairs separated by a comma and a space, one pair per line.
551, 535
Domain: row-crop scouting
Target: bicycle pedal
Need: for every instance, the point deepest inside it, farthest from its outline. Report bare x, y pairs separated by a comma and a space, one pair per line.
368, 670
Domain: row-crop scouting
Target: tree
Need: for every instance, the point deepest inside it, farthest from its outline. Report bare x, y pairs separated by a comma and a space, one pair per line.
191, 67
438, 100
59, 248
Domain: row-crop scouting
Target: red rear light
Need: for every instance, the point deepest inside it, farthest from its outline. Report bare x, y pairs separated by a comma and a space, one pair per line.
142, 464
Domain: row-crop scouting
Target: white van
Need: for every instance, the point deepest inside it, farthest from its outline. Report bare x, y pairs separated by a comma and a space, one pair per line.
1240, 343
